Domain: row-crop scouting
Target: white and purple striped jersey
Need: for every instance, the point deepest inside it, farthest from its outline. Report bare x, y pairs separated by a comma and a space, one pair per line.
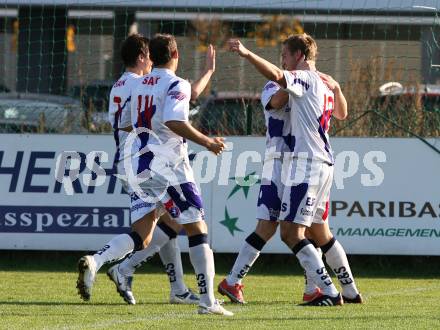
278, 133
312, 104
161, 97
119, 114
278, 142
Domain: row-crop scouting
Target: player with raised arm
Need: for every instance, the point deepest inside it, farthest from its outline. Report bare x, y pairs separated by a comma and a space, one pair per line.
278, 141
160, 111
164, 238
303, 204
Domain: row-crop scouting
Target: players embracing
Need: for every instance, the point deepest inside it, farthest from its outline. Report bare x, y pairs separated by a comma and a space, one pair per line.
297, 174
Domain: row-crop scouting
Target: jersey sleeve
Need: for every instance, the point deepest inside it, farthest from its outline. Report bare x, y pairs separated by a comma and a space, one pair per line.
111, 108
298, 82
177, 101
268, 91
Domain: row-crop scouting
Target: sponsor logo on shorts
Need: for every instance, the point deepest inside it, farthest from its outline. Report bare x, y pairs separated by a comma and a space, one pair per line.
172, 209
310, 201
274, 213
141, 206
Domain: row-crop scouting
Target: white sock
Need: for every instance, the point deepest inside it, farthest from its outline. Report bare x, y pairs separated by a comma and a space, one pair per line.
310, 286
171, 259
202, 259
245, 259
116, 249
337, 259
314, 266
138, 258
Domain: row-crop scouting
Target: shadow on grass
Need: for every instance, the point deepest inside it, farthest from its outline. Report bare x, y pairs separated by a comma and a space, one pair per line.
412, 267
88, 304
324, 318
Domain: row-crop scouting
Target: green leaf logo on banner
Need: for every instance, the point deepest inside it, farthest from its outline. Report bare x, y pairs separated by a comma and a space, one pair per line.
244, 183
230, 223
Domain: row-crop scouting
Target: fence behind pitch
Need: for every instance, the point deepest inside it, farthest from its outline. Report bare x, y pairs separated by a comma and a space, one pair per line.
49, 47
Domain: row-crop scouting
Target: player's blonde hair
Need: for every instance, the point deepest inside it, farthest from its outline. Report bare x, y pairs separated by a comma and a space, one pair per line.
304, 43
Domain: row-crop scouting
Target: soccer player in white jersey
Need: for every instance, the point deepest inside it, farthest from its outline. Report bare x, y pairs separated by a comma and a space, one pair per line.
304, 200
164, 236
160, 110
278, 141
134, 53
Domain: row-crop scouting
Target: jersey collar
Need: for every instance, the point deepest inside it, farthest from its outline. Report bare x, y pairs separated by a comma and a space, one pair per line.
164, 70
128, 73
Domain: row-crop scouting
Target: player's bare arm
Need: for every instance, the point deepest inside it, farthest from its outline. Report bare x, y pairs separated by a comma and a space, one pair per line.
267, 69
199, 86
187, 131
341, 108
279, 100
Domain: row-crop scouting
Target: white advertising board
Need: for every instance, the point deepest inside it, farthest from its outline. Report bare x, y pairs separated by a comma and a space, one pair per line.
385, 197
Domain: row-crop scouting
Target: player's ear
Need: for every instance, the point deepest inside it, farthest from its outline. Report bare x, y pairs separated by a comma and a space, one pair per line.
299, 55
175, 54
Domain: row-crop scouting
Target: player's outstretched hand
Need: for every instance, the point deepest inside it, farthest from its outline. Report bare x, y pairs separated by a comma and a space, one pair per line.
236, 46
210, 59
329, 81
217, 145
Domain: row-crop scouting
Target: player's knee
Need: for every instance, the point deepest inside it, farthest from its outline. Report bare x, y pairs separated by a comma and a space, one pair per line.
290, 236
286, 237
321, 237
147, 240
310, 234
195, 228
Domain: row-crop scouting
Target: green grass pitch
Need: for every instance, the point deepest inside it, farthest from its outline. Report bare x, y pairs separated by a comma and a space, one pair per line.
39, 294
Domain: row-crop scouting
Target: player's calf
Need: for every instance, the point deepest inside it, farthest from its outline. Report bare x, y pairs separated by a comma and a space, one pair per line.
249, 253
337, 259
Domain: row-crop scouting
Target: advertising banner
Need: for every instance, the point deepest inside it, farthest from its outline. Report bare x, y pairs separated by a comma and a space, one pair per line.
59, 192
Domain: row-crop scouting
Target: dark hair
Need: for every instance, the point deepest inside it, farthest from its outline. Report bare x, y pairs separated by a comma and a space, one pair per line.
304, 43
133, 46
162, 47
